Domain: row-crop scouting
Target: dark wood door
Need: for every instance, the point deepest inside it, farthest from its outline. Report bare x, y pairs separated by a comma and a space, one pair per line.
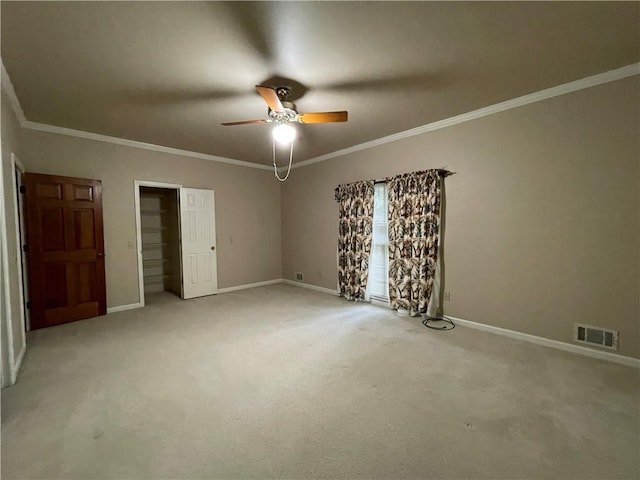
65, 249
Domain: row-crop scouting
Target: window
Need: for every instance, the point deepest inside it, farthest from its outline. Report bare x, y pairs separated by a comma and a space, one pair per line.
378, 284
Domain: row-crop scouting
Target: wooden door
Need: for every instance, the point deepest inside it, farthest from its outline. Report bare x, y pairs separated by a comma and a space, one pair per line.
65, 249
198, 239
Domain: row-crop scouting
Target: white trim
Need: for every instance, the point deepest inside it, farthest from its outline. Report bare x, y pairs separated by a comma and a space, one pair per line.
7, 86
18, 364
249, 285
612, 357
43, 127
310, 286
122, 308
16, 165
145, 183
588, 82
136, 206
6, 281
15, 361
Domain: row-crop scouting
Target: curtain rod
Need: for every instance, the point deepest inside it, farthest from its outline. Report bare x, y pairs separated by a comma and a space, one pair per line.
441, 171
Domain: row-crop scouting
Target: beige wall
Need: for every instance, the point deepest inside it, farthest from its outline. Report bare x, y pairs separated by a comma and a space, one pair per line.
543, 214
12, 327
247, 205
543, 218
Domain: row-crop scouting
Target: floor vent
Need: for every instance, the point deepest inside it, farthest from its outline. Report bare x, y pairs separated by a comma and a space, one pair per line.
299, 277
600, 337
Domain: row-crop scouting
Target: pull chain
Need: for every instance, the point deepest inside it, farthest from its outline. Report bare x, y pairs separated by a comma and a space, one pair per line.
275, 168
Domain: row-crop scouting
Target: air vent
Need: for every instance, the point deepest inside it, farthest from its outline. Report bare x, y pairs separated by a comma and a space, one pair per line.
299, 277
597, 336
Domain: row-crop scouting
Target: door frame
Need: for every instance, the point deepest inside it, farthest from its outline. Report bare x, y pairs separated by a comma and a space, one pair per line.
14, 361
8, 369
18, 170
136, 188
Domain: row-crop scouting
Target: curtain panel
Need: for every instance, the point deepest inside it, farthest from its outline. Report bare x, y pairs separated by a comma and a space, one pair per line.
414, 225
355, 202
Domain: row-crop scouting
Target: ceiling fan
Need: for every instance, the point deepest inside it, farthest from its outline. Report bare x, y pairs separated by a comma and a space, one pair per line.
282, 111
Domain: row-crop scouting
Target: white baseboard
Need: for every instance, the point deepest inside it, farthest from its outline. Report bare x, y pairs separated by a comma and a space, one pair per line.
18, 363
547, 342
249, 285
588, 352
310, 287
122, 308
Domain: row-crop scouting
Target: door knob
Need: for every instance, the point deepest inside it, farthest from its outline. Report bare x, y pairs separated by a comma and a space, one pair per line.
213, 248
101, 254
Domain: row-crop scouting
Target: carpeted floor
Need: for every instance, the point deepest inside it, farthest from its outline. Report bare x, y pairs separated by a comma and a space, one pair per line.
283, 382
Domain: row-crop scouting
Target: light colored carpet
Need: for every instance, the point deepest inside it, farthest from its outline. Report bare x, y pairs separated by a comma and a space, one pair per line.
283, 382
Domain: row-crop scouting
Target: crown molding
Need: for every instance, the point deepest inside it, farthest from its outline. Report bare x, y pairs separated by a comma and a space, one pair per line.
7, 86
581, 84
43, 127
588, 82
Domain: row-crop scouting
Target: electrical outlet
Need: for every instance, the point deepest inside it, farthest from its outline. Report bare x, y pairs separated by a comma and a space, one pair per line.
130, 245
447, 296
299, 277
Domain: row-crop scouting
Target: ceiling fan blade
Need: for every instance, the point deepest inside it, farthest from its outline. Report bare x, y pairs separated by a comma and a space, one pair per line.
156, 97
323, 117
245, 122
271, 97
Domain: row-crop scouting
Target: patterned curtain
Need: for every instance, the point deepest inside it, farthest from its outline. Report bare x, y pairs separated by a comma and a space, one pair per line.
355, 202
414, 221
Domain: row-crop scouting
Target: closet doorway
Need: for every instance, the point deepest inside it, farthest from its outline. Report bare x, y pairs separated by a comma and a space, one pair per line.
176, 241
160, 240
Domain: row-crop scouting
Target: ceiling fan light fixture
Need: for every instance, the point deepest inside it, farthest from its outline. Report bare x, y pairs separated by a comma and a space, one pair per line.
283, 133
284, 113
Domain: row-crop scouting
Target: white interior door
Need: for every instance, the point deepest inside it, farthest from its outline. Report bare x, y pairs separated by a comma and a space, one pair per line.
198, 237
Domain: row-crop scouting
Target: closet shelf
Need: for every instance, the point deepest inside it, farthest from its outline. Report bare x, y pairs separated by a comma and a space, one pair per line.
153, 212
151, 279
153, 246
153, 262
153, 229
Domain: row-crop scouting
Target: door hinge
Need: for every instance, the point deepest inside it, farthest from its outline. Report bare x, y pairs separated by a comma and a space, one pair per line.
23, 189
25, 248
29, 305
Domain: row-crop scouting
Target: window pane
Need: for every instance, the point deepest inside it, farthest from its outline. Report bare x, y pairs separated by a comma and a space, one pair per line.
379, 203
379, 261
380, 235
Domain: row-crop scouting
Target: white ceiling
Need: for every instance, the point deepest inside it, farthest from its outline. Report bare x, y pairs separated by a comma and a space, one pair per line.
168, 73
